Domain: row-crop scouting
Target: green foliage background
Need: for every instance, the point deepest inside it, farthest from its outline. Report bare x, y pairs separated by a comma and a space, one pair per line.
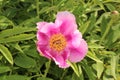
98, 20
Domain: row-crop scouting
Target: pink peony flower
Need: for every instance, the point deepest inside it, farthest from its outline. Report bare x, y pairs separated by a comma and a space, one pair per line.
61, 41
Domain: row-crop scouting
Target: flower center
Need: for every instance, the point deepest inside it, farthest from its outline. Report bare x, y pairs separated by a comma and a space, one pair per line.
57, 42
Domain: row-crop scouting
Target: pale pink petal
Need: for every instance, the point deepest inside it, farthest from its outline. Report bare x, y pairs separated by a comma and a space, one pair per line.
66, 22
41, 24
76, 39
77, 54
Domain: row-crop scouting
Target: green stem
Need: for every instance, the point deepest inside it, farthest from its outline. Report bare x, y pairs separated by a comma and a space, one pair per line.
37, 7
47, 68
38, 75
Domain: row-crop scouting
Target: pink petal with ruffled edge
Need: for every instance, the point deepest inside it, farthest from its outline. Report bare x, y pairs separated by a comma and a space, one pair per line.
47, 28
42, 38
77, 54
60, 58
66, 22
42, 49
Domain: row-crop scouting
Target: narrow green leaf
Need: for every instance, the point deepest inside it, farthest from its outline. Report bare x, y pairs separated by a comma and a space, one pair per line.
75, 77
4, 20
6, 53
17, 38
98, 2
16, 46
84, 27
74, 67
113, 66
14, 31
15, 77
110, 7
116, 35
80, 77
95, 46
92, 56
88, 71
80, 72
106, 31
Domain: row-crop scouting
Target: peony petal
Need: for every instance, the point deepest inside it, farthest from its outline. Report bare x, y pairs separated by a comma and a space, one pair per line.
42, 38
79, 53
42, 50
41, 24
66, 22
48, 28
76, 39
60, 58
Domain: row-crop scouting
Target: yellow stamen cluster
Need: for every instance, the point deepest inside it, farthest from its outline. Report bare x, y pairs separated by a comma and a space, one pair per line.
57, 42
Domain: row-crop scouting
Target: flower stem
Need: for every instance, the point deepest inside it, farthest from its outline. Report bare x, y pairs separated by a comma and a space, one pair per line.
38, 75
47, 68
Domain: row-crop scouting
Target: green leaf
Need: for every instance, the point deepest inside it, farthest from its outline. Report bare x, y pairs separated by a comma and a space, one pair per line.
88, 71
110, 7
104, 23
116, 35
17, 38
84, 27
44, 78
4, 22
92, 56
80, 77
96, 46
74, 67
17, 46
92, 22
100, 68
33, 52
108, 74
24, 61
6, 53
98, 2
14, 31
14, 77
113, 66
58, 72
4, 69
75, 77
31, 22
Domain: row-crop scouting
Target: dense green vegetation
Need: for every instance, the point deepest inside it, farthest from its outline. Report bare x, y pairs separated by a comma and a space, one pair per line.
98, 20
